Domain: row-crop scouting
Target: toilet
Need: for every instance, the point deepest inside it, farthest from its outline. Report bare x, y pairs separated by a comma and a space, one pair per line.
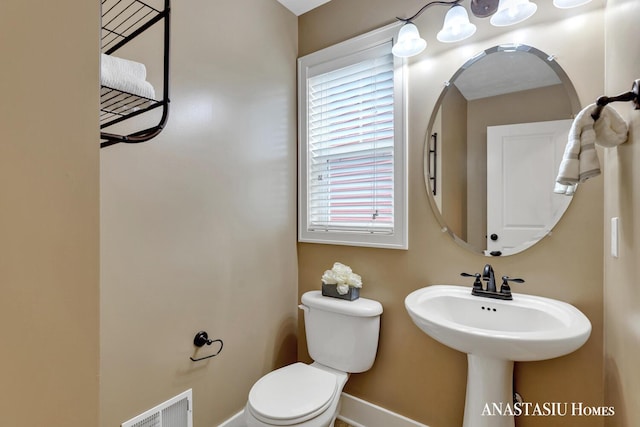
342, 338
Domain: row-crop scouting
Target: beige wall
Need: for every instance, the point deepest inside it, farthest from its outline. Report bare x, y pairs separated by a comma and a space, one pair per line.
49, 280
414, 375
198, 225
622, 200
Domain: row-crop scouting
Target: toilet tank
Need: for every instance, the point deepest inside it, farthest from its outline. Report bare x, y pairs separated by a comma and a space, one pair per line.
341, 334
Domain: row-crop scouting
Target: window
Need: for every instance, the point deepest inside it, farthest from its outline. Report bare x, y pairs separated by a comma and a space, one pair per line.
352, 183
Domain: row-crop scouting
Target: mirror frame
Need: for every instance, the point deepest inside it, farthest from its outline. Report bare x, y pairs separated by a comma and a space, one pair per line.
574, 101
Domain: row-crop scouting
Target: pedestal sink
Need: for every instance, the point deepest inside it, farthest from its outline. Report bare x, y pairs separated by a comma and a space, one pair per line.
494, 334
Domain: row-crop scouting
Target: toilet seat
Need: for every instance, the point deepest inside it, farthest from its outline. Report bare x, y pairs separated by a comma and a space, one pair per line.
292, 395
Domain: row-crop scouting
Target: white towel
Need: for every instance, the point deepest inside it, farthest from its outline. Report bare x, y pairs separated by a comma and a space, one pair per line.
611, 129
565, 189
125, 75
580, 160
117, 65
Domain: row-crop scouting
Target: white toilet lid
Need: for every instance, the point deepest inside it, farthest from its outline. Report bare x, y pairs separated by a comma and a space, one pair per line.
292, 394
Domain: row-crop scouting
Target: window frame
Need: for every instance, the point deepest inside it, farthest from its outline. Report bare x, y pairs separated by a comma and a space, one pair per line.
335, 57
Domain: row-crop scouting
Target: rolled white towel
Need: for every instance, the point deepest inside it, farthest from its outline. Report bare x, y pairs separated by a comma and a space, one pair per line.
125, 75
611, 129
115, 65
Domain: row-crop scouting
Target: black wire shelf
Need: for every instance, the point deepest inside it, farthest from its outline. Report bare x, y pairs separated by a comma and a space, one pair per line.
122, 22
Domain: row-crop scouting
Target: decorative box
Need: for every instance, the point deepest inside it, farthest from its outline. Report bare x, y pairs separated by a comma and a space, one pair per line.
332, 291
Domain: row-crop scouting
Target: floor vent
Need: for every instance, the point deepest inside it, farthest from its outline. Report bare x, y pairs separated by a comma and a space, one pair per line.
175, 412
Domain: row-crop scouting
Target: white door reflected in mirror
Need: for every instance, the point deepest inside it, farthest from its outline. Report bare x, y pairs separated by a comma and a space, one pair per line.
523, 209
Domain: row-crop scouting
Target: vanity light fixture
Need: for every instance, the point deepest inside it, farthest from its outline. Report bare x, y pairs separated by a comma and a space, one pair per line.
409, 41
457, 26
512, 12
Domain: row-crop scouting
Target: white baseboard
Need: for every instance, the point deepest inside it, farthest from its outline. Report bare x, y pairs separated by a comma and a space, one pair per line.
360, 413
354, 411
236, 421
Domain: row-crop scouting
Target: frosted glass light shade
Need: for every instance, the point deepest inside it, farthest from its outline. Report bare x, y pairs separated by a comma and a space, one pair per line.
456, 26
511, 12
409, 42
566, 4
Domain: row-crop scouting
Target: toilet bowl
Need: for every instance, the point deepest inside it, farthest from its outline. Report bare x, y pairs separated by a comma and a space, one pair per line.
342, 338
298, 395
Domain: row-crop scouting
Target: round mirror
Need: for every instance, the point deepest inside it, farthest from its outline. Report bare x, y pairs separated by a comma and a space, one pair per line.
495, 142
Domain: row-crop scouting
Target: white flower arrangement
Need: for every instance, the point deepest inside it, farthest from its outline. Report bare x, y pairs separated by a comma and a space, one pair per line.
342, 276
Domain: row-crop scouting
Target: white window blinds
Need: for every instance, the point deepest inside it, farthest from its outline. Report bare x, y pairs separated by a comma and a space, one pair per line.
352, 182
351, 147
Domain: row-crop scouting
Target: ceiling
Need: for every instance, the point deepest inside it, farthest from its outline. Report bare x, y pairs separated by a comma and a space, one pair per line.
505, 72
299, 7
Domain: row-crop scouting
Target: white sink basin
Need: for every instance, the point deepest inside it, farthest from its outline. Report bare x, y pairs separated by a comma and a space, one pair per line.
495, 333
526, 328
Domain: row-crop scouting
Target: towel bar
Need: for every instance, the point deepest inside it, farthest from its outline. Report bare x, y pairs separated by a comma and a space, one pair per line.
632, 95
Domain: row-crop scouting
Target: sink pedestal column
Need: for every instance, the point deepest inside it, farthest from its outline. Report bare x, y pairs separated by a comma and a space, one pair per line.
489, 392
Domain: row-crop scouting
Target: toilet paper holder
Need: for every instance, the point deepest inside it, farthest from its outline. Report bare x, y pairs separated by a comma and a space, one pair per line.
201, 339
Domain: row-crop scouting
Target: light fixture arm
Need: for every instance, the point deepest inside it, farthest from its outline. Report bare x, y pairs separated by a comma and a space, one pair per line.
438, 2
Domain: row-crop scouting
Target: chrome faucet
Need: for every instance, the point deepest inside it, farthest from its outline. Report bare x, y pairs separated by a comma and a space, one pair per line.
490, 291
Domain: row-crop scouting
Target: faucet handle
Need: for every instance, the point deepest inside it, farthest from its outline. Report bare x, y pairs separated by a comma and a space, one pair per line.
470, 275
506, 279
477, 284
505, 288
